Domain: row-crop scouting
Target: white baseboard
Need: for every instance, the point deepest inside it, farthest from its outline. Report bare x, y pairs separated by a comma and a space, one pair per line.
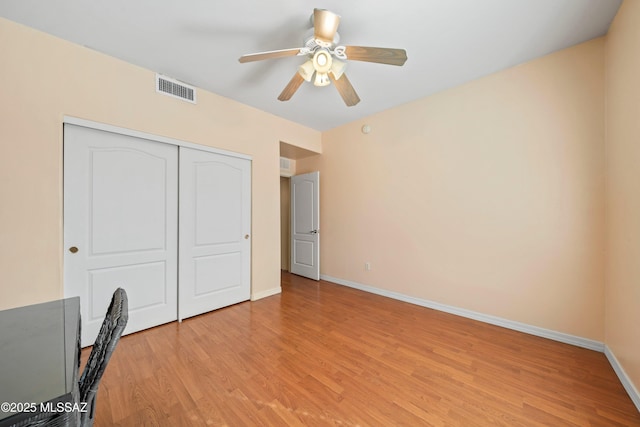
493, 320
632, 391
267, 293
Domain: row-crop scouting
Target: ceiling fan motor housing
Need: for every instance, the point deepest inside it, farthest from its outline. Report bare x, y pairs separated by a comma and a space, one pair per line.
325, 26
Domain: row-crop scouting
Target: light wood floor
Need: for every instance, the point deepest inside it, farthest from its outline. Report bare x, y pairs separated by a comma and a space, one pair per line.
321, 354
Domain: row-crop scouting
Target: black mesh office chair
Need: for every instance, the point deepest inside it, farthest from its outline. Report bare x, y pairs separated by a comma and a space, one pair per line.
108, 337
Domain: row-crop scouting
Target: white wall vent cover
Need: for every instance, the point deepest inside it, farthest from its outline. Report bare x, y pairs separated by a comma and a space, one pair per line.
175, 88
285, 163
287, 167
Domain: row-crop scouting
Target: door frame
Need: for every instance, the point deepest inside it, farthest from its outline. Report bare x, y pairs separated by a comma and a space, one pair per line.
144, 135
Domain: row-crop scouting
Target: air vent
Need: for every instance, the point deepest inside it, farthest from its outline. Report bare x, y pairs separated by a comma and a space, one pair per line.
285, 163
287, 167
176, 89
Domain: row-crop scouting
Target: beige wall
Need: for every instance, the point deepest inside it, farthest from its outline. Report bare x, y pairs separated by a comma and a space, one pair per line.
45, 78
623, 189
487, 197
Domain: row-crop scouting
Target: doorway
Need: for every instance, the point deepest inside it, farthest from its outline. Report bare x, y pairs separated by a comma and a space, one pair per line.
289, 156
299, 214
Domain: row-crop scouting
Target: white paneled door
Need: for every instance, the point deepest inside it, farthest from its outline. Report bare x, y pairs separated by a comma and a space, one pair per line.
120, 226
215, 231
305, 227
169, 223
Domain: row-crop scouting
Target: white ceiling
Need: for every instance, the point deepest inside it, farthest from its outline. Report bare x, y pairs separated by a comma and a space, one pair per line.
448, 42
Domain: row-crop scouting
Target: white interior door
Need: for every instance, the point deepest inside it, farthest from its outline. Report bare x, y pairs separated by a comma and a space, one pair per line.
120, 226
305, 225
215, 231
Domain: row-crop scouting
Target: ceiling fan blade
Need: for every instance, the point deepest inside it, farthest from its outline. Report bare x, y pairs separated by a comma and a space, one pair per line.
269, 55
325, 25
291, 88
346, 90
381, 55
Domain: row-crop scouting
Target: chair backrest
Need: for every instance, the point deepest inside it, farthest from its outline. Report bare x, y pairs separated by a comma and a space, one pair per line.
109, 335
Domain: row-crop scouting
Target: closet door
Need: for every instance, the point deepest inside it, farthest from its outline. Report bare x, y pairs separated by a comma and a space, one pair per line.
215, 228
120, 226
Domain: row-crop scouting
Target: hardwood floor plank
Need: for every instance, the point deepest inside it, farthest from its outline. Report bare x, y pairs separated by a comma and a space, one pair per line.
320, 354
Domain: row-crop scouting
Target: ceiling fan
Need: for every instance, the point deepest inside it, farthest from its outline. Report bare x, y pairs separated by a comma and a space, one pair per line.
326, 59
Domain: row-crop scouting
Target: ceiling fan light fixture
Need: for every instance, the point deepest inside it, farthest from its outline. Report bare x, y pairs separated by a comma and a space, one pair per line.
322, 61
306, 70
338, 68
325, 25
322, 79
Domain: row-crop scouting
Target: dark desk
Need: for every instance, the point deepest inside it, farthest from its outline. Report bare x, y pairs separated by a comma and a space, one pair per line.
39, 358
